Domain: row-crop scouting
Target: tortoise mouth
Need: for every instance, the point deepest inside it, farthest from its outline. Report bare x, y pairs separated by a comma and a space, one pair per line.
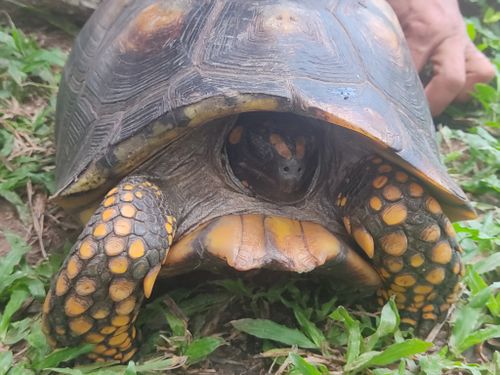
252, 241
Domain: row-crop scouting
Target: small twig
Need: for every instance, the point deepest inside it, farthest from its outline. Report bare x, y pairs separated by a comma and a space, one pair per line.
37, 217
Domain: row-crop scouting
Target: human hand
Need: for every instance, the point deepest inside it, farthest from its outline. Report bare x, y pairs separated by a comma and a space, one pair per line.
436, 33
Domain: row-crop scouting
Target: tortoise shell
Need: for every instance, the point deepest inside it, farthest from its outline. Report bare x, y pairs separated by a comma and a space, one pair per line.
142, 72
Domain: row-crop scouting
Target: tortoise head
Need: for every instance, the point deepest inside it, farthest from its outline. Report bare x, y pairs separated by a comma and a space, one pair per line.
273, 155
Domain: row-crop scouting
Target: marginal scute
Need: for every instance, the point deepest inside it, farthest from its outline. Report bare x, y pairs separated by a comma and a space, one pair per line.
62, 284
87, 249
81, 325
415, 190
73, 267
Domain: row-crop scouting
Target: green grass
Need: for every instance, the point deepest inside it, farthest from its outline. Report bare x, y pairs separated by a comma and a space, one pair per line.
298, 329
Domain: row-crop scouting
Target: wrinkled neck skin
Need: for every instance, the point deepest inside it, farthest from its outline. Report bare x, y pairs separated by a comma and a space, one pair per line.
199, 184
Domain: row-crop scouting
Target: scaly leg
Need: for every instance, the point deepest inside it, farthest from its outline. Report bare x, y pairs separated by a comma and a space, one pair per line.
96, 295
402, 228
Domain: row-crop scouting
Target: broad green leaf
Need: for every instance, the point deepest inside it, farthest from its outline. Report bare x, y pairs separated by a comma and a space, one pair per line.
199, 349
177, 325
390, 355
63, 355
7, 263
478, 337
267, 329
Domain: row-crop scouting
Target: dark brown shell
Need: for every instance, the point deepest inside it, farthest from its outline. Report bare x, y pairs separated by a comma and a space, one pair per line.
142, 71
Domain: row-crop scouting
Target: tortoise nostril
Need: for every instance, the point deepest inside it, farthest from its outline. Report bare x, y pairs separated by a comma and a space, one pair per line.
286, 169
300, 170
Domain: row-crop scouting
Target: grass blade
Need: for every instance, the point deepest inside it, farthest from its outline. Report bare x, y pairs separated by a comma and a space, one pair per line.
267, 329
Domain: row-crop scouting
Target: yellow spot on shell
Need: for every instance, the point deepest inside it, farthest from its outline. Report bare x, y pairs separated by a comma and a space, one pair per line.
442, 253
75, 306
444, 307
118, 339
394, 243
73, 267
377, 161
150, 279
364, 240
108, 214
128, 187
394, 214
120, 320
405, 280
118, 265
401, 177
431, 234
122, 227
383, 272
379, 182
94, 338
400, 298
139, 194
417, 260
62, 284
435, 276
384, 168
433, 206
114, 245
87, 249
419, 298
109, 202
128, 210
375, 203
60, 330
415, 190
392, 193
456, 268
136, 249
100, 230
81, 325
126, 306
343, 201
120, 289
85, 286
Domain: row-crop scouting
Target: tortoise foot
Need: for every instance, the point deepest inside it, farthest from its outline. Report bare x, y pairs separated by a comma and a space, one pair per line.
96, 295
401, 227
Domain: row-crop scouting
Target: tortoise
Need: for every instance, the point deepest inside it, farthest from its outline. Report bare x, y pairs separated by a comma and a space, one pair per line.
225, 134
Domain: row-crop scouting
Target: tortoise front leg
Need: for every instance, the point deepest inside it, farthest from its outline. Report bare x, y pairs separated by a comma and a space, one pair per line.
96, 295
412, 244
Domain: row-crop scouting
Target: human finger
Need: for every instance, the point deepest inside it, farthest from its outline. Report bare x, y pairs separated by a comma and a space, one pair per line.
478, 69
449, 77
